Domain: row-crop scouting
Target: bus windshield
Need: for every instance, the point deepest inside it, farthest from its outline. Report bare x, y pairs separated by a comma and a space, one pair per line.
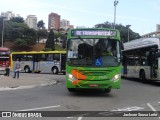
85, 52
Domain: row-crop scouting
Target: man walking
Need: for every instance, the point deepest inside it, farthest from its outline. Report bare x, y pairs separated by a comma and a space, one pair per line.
16, 68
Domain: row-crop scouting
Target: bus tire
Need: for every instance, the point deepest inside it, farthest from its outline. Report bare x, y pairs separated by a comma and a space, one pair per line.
71, 89
142, 75
55, 70
27, 69
64, 73
107, 90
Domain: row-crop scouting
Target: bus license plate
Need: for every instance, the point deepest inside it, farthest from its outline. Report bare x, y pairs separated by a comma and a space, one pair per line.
93, 85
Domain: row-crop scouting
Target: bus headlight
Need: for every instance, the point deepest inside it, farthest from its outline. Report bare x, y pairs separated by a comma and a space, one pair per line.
116, 77
71, 77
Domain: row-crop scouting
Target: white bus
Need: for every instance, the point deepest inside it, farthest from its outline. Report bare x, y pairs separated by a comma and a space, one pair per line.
141, 59
46, 62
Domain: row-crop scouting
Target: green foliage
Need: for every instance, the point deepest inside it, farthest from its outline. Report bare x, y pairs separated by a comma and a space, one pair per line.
42, 33
47, 49
13, 30
20, 43
19, 33
30, 36
123, 31
17, 19
41, 24
59, 47
50, 43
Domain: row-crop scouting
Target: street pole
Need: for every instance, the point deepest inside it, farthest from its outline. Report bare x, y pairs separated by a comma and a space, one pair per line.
115, 3
128, 31
2, 31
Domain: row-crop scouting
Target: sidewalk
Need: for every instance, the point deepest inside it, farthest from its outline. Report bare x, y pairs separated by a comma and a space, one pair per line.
23, 81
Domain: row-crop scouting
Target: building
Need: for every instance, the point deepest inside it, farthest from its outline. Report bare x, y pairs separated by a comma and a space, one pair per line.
64, 24
31, 21
82, 27
54, 21
8, 15
153, 34
71, 26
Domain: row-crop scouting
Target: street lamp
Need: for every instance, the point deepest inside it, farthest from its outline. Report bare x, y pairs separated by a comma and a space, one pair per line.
115, 4
128, 30
2, 30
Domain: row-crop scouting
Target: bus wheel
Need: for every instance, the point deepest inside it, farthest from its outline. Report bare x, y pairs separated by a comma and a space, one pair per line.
107, 90
142, 75
71, 89
55, 70
26, 69
64, 73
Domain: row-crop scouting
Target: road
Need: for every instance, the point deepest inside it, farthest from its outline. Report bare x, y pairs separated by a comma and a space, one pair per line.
133, 96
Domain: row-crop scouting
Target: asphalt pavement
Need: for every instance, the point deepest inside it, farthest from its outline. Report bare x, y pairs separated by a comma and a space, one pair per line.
25, 80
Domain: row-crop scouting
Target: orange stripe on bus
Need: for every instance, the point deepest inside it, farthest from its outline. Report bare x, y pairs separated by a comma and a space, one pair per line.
77, 74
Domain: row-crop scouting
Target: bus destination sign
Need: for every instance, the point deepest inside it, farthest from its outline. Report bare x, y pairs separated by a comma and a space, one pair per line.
93, 33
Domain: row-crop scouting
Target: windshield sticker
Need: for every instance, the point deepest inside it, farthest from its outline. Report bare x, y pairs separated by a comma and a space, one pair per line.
72, 54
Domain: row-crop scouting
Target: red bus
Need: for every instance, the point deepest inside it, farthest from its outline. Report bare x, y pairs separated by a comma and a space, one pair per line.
4, 58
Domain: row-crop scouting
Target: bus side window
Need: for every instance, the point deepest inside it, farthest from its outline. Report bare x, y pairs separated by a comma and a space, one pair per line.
43, 57
50, 57
56, 57
14, 57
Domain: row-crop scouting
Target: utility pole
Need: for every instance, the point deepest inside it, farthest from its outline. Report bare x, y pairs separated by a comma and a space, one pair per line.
128, 30
2, 31
115, 4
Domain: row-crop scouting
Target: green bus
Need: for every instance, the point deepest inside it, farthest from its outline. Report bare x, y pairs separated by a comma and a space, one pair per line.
93, 59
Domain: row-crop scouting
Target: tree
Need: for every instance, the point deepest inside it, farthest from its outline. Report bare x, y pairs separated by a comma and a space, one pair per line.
30, 36
123, 31
42, 33
17, 19
41, 24
50, 43
13, 30
21, 43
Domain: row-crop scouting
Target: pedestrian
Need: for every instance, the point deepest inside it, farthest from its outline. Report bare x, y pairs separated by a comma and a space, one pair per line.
7, 70
17, 67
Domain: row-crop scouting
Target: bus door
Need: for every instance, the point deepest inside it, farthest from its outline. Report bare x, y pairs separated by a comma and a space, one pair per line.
63, 62
153, 63
124, 63
36, 64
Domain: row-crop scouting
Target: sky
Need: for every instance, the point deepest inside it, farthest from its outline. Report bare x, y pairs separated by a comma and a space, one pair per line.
142, 15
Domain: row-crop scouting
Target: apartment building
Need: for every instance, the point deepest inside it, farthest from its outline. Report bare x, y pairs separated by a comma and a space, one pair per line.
54, 21
8, 15
31, 21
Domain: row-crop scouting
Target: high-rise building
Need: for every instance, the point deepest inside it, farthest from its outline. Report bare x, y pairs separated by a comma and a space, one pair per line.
71, 26
31, 21
8, 15
54, 21
64, 24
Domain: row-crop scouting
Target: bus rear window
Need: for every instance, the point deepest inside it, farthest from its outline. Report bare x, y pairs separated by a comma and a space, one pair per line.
4, 59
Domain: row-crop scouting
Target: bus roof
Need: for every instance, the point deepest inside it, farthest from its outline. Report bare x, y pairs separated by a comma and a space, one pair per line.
39, 52
141, 43
4, 49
